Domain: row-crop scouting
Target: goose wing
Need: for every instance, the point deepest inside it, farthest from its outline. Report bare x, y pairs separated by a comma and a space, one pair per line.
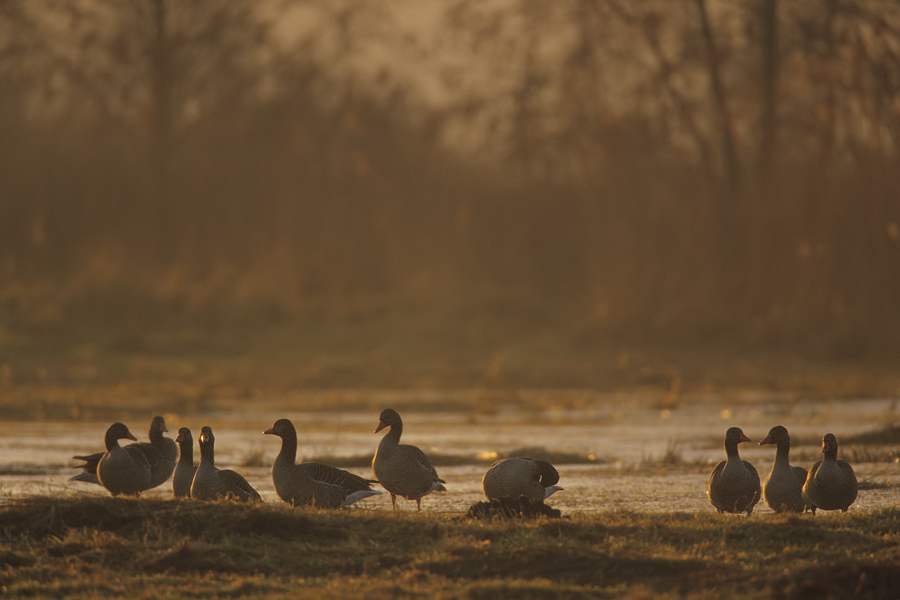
333, 476
139, 456
235, 483
419, 459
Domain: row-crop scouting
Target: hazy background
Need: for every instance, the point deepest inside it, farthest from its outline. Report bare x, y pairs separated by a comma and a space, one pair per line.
448, 192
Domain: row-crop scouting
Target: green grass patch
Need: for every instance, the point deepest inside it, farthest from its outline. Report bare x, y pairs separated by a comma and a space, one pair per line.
85, 547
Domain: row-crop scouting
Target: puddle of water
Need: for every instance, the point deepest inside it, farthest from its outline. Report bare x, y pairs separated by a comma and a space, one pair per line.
622, 435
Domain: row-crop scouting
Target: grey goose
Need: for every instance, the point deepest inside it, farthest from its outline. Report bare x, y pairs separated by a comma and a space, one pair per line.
831, 483
403, 469
185, 469
312, 483
123, 470
511, 478
734, 483
211, 483
161, 451
783, 489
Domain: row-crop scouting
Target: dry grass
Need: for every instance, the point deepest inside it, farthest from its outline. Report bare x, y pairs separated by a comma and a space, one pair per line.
88, 547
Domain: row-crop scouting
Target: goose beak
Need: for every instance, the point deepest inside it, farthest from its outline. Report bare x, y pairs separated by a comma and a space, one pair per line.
270, 431
381, 426
744, 438
767, 440
131, 437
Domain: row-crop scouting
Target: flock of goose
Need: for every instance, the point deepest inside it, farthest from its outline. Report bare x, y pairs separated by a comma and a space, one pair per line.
734, 483
404, 470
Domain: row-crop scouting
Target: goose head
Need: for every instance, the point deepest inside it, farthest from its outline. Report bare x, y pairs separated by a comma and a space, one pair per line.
157, 428
282, 428
116, 432
829, 445
733, 437
389, 418
777, 435
184, 437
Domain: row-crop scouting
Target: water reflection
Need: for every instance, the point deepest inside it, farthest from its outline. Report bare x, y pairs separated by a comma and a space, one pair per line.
646, 457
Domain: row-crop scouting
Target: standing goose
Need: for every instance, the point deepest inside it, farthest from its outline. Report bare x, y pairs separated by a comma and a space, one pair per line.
123, 470
312, 483
511, 478
162, 453
831, 484
212, 483
734, 483
784, 485
168, 452
402, 469
185, 469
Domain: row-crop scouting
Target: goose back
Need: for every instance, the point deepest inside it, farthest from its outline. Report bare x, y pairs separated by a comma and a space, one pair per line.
511, 478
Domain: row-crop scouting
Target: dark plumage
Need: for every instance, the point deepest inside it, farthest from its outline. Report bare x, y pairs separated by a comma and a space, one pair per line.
123, 470
211, 483
402, 469
168, 452
511, 478
162, 453
784, 485
734, 483
831, 483
185, 469
312, 483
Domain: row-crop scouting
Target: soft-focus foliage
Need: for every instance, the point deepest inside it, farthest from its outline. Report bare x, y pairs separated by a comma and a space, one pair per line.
686, 167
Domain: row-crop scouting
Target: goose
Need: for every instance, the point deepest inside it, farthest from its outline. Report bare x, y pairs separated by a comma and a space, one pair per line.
511, 478
161, 451
312, 483
831, 483
402, 469
784, 485
123, 470
168, 452
734, 483
185, 469
211, 483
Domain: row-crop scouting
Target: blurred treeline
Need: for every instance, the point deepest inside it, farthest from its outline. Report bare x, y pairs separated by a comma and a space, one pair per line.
680, 167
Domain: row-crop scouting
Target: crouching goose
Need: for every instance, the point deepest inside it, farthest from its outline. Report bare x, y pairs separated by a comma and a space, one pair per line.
211, 483
511, 478
784, 485
831, 483
161, 451
185, 469
123, 470
312, 483
734, 483
402, 469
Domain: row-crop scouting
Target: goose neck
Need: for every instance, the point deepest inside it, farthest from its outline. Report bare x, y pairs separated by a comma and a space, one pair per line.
289, 447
